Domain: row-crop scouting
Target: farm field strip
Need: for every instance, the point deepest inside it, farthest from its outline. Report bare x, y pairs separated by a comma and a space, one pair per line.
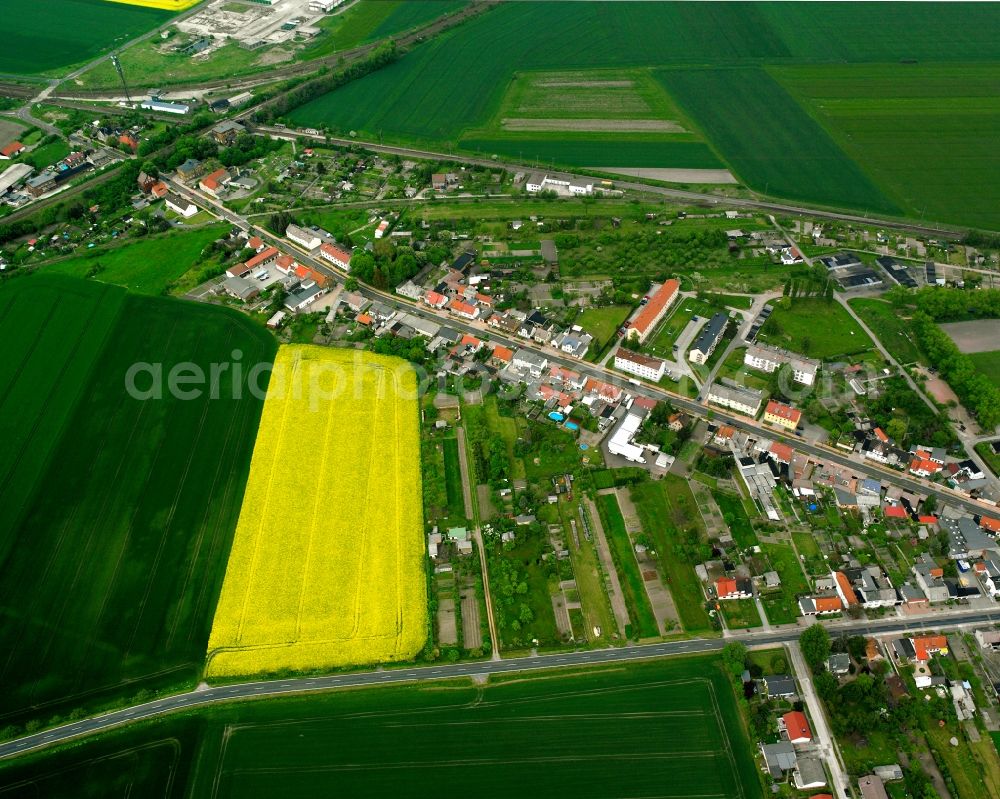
309, 585
85, 29
118, 588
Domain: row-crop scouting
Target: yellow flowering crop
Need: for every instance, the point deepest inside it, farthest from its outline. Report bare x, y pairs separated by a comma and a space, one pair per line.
327, 568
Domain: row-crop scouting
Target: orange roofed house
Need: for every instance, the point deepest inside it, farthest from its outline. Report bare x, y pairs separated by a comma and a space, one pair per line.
654, 310
782, 415
796, 725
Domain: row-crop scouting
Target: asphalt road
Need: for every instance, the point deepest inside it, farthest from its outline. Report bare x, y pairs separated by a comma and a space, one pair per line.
867, 468
228, 693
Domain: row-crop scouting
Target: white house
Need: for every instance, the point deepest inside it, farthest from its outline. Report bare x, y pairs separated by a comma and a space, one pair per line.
336, 255
643, 366
185, 208
769, 359
621, 442
744, 400
532, 362
306, 239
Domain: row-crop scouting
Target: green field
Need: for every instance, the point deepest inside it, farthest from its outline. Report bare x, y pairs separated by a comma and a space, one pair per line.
769, 140
740, 614
636, 600
117, 590
69, 32
147, 266
782, 607
924, 133
735, 516
894, 332
602, 323
988, 363
665, 728
853, 120
816, 328
453, 479
669, 515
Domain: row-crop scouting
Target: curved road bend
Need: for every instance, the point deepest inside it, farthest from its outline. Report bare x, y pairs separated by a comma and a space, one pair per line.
227, 693
593, 370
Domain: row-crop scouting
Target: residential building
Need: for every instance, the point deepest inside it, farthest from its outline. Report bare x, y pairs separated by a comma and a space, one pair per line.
40, 184
782, 415
240, 288
743, 400
769, 359
226, 132
181, 206
734, 588
872, 787
189, 170
644, 366
839, 664
779, 758
215, 182
622, 440
840, 261
12, 150
307, 239
820, 605
263, 258
796, 726
435, 300
336, 255
810, 773
304, 297
533, 363
709, 338
456, 306
654, 310
780, 686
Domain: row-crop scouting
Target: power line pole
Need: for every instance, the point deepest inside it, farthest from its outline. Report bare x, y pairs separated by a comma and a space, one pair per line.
121, 74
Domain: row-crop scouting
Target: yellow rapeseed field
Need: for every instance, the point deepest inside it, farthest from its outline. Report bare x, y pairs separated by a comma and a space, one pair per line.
166, 5
327, 566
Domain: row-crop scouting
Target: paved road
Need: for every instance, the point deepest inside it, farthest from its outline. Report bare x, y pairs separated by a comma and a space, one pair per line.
679, 194
823, 741
227, 693
859, 466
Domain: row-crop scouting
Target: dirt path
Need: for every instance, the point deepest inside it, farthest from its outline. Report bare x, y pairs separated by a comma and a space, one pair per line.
604, 552
463, 465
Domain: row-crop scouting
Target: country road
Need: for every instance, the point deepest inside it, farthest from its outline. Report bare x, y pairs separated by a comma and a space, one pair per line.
866, 468
592, 657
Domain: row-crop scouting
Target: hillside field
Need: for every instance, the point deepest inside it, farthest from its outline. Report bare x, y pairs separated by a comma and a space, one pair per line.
69, 32
814, 327
327, 569
788, 96
129, 505
664, 728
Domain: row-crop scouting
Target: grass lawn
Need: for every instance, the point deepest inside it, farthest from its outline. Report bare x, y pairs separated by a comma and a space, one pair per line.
740, 613
676, 714
117, 591
636, 600
816, 328
783, 608
662, 342
453, 479
731, 301
145, 266
602, 323
47, 154
669, 515
988, 363
892, 330
589, 576
736, 517
992, 459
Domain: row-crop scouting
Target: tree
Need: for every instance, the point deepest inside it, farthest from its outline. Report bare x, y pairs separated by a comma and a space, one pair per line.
815, 644
896, 430
734, 655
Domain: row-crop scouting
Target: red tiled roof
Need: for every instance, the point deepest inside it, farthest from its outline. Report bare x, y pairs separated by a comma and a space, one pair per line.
880, 435
724, 586
433, 298
471, 340
989, 523
927, 645
783, 411
255, 242
663, 296
797, 726
159, 189
502, 353
336, 253
604, 389
845, 588
262, 256
646, 402
827, 604
638, 358
11, 149
927, 519
461, 307
725, 432
783, 452
894, 512
363, 318
924, 465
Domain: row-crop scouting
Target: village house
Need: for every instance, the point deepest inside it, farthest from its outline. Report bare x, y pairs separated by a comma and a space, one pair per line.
782, 415
644, 366
654, 310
